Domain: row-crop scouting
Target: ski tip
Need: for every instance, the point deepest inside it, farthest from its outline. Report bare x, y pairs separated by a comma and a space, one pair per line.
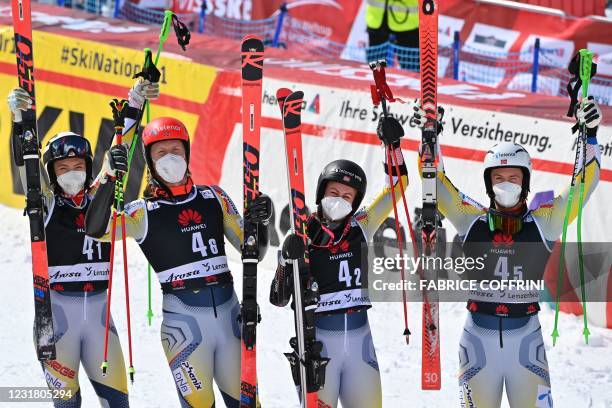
296, 95
251, 37
282, 93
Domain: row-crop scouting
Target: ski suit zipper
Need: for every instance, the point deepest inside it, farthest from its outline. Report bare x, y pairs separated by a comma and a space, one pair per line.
501, 339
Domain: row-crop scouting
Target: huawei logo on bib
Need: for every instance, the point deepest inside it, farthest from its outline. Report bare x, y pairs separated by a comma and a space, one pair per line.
501, 239
189, 216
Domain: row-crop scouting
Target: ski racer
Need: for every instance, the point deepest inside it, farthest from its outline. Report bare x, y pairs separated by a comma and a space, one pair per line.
338, 232
181, 229
502, 339
78, 268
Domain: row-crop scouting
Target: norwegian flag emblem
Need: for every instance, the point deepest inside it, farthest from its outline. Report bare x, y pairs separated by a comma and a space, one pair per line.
504, 161
346, 178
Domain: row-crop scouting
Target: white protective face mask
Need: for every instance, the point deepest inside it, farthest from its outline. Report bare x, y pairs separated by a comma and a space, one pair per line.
171, 168
335, 208
72, 182
507, 194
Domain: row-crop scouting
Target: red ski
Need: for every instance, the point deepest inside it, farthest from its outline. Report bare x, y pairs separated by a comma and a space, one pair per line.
428, 32
307, 365
28, 141
252, 74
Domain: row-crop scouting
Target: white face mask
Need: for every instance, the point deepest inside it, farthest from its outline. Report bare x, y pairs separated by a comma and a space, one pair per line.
335, 208
171, 168
72, 182
507, 194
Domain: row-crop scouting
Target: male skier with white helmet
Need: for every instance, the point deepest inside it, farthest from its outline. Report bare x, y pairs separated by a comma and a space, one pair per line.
502, 339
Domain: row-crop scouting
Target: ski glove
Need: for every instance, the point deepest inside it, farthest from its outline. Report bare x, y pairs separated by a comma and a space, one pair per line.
259, 210
389, 131
419, 119
293, 248
143, 90
117, 160
590, 115
18, 100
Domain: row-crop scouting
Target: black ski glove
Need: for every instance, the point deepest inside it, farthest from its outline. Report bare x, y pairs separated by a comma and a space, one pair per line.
259, 210
293, 247
389, 131
118, 158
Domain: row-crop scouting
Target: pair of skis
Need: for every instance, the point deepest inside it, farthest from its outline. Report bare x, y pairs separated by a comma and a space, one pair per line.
381, 93
307, 365
252, 56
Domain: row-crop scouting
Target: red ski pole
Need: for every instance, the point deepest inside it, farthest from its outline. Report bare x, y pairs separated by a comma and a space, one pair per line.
119, 118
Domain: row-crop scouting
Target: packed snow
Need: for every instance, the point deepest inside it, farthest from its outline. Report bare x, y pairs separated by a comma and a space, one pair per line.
581, 375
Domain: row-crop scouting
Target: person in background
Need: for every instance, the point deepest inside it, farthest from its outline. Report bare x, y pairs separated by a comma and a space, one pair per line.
399, 18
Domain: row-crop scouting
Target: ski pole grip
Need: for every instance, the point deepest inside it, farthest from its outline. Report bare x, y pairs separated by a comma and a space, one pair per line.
165, 30
586, 64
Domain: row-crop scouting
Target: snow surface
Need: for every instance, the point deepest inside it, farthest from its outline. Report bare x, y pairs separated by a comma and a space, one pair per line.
581, 375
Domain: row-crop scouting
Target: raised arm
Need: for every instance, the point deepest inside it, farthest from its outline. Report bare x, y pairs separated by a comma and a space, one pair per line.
18, 100
459, 209
98, 217
551, 216
371, 217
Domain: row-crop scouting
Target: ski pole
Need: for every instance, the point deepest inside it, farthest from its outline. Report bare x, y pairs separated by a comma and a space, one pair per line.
380, 94
400, 245
119, 115
586, 62
410, 228
118, 108
183, 36
163, 36
583, 75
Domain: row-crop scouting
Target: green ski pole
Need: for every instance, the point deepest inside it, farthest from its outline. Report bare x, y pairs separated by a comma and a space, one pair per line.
586, 58
586, 62
163, 36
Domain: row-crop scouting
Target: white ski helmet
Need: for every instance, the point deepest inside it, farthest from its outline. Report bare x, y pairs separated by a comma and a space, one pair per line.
507, 154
